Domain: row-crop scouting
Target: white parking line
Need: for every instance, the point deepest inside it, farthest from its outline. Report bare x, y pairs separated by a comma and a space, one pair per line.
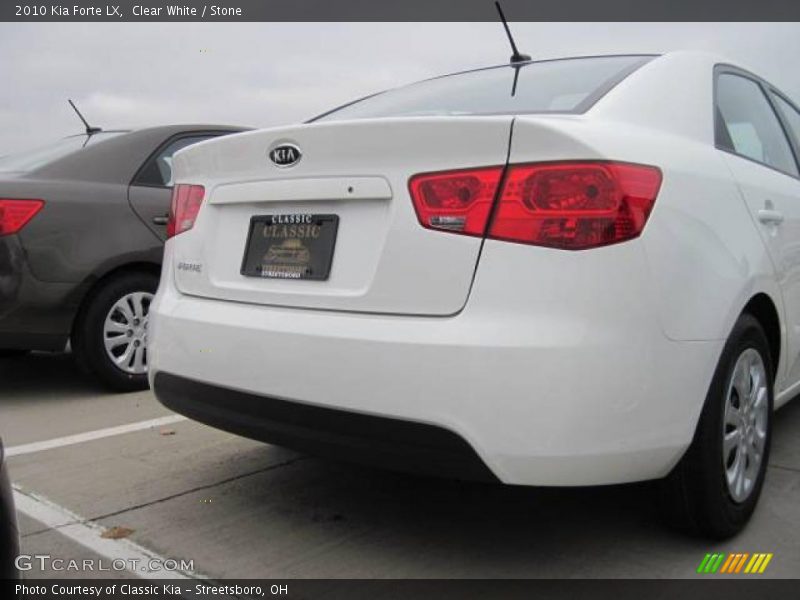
98, 434
139, 561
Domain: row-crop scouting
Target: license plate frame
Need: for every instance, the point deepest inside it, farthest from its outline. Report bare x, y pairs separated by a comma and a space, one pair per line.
291, 246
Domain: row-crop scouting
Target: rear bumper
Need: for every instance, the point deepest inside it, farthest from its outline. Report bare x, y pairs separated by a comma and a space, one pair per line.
547, 385
393, 443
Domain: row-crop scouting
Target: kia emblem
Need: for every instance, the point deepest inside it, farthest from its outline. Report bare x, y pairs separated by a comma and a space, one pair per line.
285, 155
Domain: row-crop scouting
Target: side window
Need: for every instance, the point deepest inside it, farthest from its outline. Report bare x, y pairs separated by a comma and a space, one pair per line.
791, 115
748, 126
158, 169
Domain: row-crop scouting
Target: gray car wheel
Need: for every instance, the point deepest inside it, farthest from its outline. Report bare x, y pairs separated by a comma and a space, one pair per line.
110, 336
125, 332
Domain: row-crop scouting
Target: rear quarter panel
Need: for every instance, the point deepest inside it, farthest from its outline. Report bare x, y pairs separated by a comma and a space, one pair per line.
705, 256
84, 230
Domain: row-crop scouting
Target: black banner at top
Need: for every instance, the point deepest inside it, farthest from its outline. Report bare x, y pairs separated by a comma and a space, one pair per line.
397, 10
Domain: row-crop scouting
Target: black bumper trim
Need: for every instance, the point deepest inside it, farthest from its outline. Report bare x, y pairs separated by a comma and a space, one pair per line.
332, 433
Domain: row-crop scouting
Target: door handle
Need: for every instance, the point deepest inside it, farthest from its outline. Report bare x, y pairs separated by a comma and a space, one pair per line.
769, 216
161, 220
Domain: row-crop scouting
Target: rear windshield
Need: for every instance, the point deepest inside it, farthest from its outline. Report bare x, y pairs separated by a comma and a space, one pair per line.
38, 157
562, 86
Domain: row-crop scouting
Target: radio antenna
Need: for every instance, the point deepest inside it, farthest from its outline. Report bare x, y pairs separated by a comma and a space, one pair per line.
516, 57
90, 131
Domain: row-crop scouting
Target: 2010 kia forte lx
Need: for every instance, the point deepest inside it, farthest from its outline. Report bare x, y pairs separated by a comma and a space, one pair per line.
568, 272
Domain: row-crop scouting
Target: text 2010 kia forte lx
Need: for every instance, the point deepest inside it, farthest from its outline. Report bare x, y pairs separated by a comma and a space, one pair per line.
568, 272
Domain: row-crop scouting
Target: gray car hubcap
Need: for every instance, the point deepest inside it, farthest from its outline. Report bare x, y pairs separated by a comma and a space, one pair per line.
125, 332
744, 432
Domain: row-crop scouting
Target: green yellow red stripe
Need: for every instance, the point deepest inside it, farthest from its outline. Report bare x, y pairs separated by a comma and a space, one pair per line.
735, 562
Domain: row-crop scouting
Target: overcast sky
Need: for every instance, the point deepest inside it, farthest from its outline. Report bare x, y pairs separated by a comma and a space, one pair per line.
262, 74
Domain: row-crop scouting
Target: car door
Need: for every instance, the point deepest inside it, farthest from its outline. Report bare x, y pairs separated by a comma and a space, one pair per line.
150, 191
763, 158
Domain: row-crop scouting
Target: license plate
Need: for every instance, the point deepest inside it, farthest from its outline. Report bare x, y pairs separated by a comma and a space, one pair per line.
290, 246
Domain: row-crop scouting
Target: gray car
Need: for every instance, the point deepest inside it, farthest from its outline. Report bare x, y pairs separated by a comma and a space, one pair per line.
82, 227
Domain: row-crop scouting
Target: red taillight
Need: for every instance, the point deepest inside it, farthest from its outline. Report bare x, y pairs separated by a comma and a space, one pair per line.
455, 201
14, 214
575, 205
186, 202
567, 205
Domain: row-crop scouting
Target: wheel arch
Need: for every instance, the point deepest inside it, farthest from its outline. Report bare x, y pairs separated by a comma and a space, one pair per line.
765, 311
763, 306
95, 282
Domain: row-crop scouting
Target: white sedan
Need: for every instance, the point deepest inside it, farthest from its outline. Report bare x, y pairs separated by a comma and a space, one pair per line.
568, 272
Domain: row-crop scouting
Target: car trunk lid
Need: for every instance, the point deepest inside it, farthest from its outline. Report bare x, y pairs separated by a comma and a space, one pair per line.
351, 181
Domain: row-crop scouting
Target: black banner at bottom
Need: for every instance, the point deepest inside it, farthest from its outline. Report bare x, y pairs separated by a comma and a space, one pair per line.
750, 588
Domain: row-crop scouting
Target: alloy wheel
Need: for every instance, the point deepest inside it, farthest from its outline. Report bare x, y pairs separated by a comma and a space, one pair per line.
125, 332
744, 431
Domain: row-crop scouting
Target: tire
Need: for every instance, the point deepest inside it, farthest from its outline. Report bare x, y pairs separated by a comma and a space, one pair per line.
116, 312
13, 353
698, 496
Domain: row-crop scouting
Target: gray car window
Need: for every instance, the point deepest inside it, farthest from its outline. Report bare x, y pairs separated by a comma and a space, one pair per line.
548, 86
158, 169
39, 157
791, 115
751, 125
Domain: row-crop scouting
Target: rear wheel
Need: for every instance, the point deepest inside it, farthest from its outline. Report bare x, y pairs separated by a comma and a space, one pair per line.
715, 488
110, 338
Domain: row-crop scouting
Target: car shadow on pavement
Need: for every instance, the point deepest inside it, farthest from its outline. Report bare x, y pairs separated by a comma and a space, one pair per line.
45, 375
384, 524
